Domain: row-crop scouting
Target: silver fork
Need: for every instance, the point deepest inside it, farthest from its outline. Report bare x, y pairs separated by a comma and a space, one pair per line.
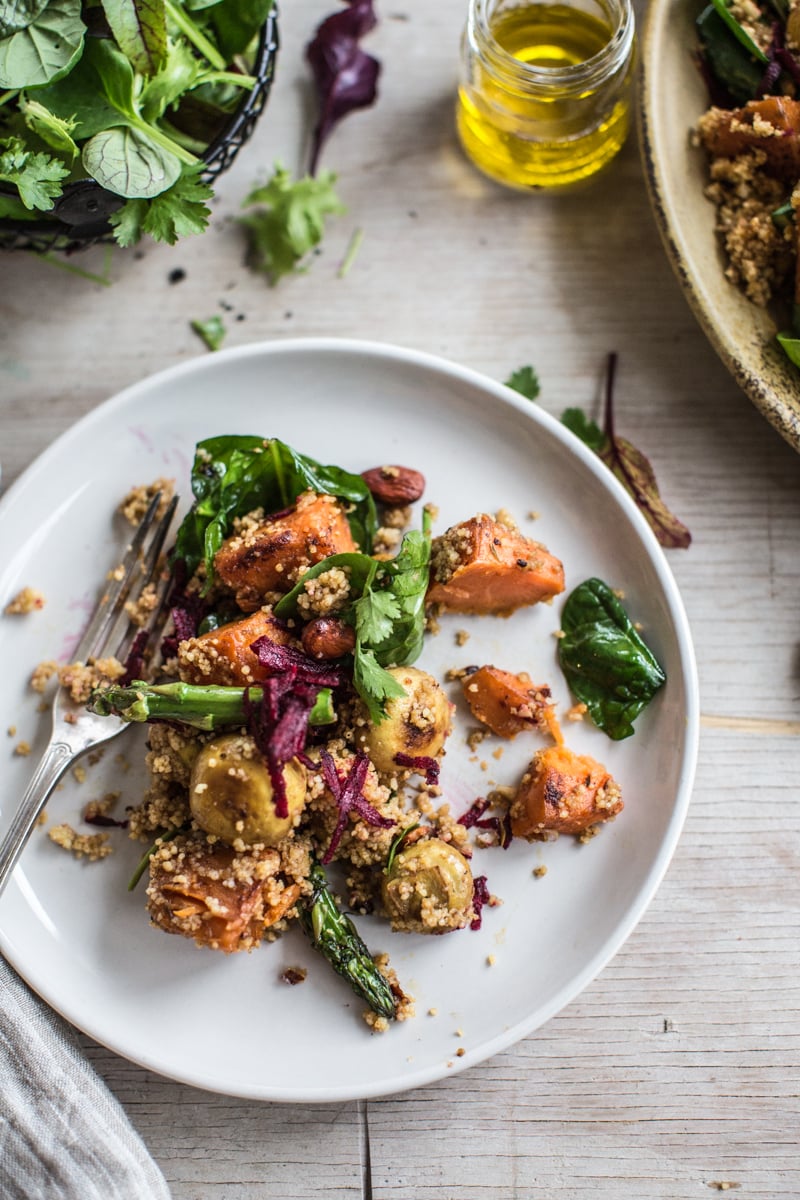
74, 730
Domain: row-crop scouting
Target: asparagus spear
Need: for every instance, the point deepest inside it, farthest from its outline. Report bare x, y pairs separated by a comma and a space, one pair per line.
204, 707
335, 936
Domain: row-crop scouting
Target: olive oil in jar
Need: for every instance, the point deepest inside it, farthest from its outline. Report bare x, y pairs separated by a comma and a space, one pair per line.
544, 100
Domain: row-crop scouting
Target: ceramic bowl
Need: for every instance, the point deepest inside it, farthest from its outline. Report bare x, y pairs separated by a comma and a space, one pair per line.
672, 97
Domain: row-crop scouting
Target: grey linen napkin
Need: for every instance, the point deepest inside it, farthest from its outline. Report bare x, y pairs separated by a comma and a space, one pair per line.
63, 1136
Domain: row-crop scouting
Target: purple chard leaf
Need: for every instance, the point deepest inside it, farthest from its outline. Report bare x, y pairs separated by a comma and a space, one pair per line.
632, 468
346, 77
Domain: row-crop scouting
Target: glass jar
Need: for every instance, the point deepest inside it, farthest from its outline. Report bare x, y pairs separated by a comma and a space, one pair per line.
545, 89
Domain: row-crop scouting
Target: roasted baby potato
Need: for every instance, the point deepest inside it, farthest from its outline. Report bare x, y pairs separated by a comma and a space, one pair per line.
416, 724
231, 793
428, 888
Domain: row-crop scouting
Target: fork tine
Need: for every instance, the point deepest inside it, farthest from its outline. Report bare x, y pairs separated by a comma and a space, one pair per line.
110, 606
163, 582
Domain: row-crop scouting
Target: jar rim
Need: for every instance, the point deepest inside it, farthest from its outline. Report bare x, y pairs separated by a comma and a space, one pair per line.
608, 59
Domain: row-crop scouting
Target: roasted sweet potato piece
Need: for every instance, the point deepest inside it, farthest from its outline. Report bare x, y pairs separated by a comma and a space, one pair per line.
269, 557
223, 656
481, 566
563, 792
771, 125
220, 899
508, 703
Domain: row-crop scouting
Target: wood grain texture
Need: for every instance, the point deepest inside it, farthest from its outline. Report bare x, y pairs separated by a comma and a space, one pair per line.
677, 1070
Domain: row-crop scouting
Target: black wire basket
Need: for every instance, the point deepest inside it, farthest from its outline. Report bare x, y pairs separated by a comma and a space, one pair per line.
79, 217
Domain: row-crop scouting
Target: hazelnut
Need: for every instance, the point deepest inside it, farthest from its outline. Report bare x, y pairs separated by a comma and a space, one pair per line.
394, 485
328, 637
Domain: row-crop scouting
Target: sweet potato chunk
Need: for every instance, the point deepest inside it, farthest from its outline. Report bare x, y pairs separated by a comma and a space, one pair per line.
563, 792
481, 566
221, 899
771, 125
269, 557
223, 656
508, 703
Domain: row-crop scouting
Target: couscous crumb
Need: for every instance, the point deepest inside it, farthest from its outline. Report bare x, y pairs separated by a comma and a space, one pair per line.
27, 600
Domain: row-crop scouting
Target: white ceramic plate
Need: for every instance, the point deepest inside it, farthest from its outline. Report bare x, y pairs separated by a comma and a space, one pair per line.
228, 1023
672, 97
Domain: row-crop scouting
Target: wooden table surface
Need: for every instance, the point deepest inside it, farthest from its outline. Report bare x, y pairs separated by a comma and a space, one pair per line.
675, 1074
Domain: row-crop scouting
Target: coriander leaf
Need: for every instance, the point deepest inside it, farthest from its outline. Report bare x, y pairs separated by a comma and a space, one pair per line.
289, 221
43, 50
37, 177
55, 131
128, 221
386, 608
140, 30
589, 432
129, 164
212, 331
605, 662
374, 684
375, 612
346, 77
180, 210
525, 381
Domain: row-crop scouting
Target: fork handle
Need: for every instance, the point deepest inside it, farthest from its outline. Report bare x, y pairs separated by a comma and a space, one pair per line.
54, 763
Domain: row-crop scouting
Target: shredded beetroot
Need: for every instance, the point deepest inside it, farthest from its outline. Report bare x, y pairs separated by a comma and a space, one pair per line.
349, 796
106, 822
480, 896
280, 659
473, 818
134, 663
187, 610
278, 725
422, 763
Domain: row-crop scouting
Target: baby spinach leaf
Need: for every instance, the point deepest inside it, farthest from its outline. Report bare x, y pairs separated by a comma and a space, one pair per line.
129, 164
237, 22
729, 62
37, 177
289, 221
605, 662
790, 345
43, 50
140, 29
232, 475
739, 32
525, 381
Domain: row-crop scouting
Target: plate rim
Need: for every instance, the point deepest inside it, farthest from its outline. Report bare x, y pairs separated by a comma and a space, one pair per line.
654, 875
